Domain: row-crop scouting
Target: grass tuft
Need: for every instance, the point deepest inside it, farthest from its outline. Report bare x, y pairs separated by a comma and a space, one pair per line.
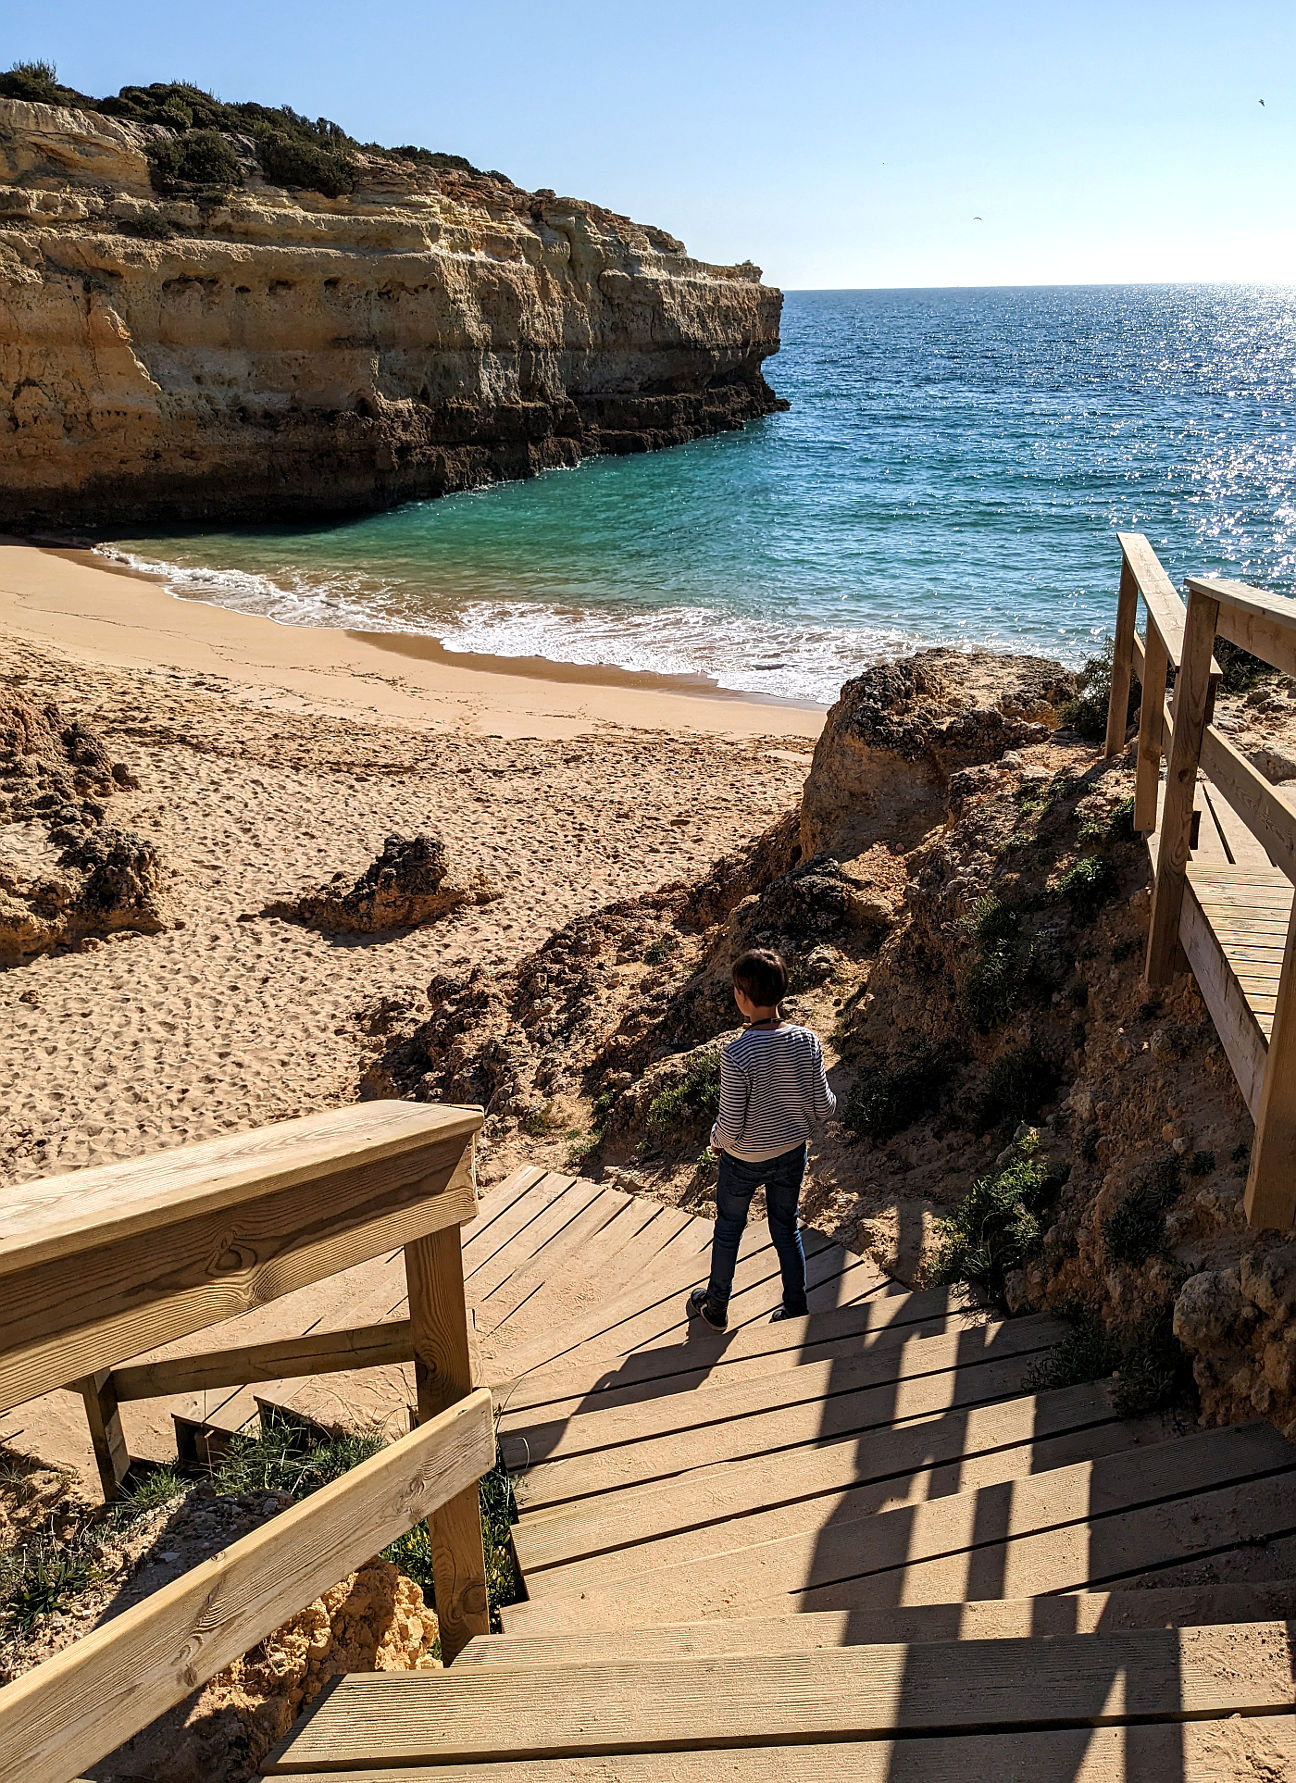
996, 1227
1087, 886
1134, 1230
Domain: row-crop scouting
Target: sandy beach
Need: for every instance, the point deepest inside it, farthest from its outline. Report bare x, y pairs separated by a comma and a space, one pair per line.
270, 758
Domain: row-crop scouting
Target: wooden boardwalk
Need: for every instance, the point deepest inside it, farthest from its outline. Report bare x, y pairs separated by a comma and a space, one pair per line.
1222, 841
854, 1545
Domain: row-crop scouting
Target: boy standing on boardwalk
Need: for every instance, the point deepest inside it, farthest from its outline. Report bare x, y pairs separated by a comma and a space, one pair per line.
772, 1090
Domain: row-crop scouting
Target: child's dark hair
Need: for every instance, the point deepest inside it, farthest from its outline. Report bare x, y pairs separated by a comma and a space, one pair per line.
761, 975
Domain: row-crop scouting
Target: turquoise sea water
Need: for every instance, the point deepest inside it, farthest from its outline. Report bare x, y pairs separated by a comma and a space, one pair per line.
952, 469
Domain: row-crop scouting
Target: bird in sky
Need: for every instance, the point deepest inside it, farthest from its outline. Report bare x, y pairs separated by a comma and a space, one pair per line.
976, 219
1262, 102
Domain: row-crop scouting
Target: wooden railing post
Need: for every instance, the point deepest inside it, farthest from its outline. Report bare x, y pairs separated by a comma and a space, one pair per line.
443, 1374
1151, 725
112, 1458
1191, 699
1122, 659
1271, 1182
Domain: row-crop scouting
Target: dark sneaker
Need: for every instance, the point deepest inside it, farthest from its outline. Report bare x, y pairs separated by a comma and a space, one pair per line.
699, 1307
790, 1312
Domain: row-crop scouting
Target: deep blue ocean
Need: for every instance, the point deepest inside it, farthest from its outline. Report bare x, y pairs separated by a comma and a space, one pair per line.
953, 468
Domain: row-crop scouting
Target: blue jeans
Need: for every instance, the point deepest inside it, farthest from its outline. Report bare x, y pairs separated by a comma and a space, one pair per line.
737, 1183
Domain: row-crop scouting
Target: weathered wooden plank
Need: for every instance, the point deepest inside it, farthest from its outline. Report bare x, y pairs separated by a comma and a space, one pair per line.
1264, 624
813, 1382
81, 1704
699, 1354
1080, 1612
856, 1693
1244, 846
107, 1293
1237, 1749
781, 1493
370, 1346
57, 1215
1055, 1531
786, 1427
1270, 1198
570, 1242
112, 1458
1192, 695
1151, 732
1235, 1022
212, 1273
1265, 815
442, 1378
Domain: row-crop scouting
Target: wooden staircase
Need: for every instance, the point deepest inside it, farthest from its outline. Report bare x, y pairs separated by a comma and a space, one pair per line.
849, 1546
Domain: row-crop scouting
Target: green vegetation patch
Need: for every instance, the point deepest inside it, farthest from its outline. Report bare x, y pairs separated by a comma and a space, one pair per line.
691, 1102
411, 1553
45, 1574
886, 1101
293, 150
1087, 711
1016, 1086
996, 1227
1134, 1230
1009, 968
1088, 885
1151, 1371
200, 160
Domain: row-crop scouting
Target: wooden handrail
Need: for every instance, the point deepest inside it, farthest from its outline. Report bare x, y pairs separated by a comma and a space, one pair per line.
67, 1713
104, 1264
1266, 626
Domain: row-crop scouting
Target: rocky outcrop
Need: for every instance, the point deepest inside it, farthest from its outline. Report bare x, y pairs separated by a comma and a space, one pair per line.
265, 351
65, 874
901, 728
404, 887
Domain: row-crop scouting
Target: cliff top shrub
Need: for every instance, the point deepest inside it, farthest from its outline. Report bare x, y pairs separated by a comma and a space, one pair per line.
996, 1226
1088, 885
885, 1102
1008, 970
1087, 711
1134, 1230
294, 161
1015, 1087
184, 106
198, 160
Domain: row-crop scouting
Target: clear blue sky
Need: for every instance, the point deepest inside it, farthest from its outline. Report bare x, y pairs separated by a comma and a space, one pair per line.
835, 144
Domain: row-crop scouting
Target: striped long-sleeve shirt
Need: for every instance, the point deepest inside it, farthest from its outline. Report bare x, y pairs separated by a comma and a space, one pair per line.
772, 1090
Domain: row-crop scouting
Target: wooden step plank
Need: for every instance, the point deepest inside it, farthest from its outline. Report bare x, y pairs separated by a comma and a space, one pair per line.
622, 1251
1080, 1526
851, 1693
675, 1263
787, 1428
710, 1355
735, 1488
919, 1462
1083, 1612
555, 1439
545, 1222
1236, 1749
495, 1201
557, 1248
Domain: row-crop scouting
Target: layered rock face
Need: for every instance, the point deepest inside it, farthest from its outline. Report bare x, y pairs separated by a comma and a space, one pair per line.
273, 352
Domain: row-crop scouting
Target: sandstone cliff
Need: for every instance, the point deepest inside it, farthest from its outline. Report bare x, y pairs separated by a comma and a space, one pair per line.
266, 351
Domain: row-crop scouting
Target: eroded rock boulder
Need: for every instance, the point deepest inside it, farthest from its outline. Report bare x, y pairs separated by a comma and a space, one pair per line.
106, 879
50, 766
403, 888
937, 712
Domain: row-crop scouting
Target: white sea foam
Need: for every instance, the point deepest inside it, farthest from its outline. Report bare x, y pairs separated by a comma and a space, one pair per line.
802, 662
